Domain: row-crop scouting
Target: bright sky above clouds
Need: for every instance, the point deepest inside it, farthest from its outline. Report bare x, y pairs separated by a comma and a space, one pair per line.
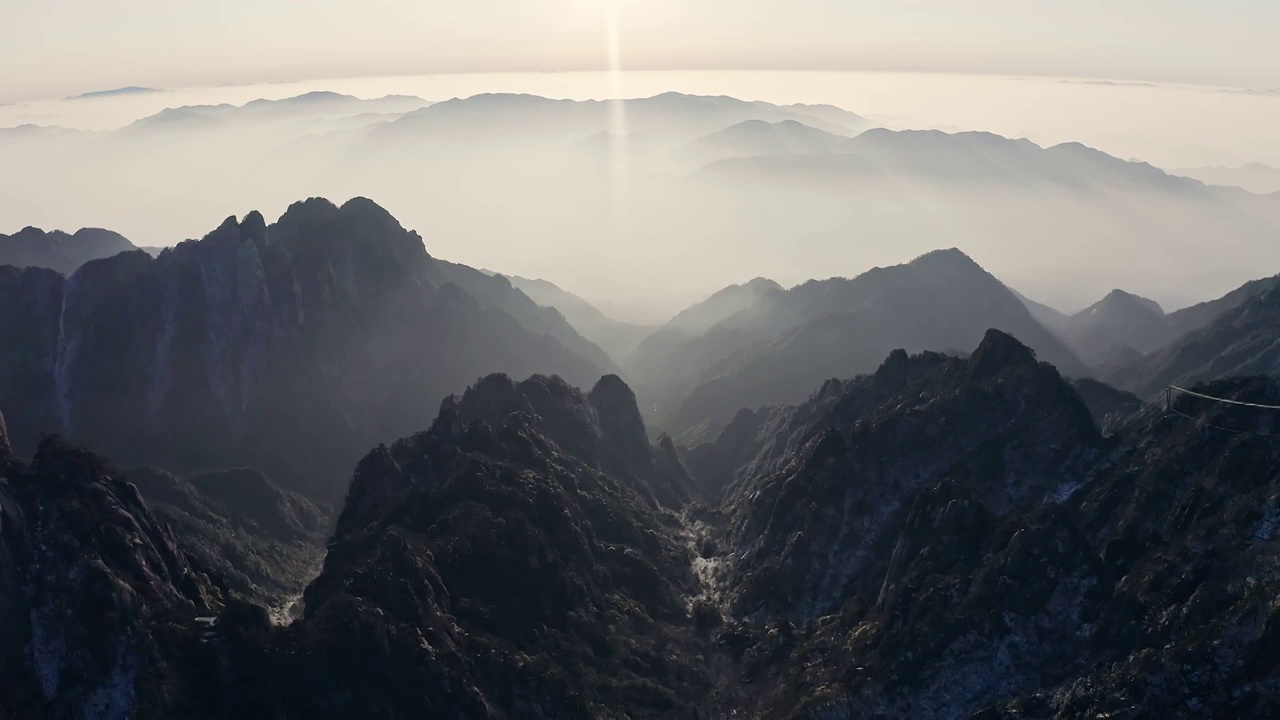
60, 47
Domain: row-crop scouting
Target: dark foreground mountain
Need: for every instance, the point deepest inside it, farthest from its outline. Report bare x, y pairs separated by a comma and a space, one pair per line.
58, 251
778, 348
899, 552
96, 597
257, 540
945, 537
291, 348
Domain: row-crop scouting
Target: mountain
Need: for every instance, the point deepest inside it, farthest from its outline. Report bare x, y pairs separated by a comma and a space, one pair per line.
779, 349
670, 114
58, 251
944, 537
1241, 341
1119, 319
309, 106
510, 560
1254, 177
290, 348
258, 540
499, 292
952, 538
1200, 315
95, 593
617, 338
1051, 318
757, 137
938, 156
1109, 406
117, 92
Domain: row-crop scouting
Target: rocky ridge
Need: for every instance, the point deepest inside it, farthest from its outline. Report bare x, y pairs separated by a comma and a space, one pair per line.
944, 537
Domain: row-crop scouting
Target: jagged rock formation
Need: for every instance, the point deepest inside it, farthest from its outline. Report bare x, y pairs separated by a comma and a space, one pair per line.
786, 343
510, 561
96, 597
945, 537
292, 348
807, 521
1036, 571
59, 251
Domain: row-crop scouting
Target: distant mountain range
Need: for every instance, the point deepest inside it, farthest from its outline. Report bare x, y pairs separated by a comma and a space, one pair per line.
780, 344
58, 251
617, 338
722, 185
117, 92
1241, 341
1254, 177
937, 156
669, 114
302, 107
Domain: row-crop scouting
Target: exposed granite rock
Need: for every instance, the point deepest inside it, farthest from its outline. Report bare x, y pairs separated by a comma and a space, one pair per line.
291, 347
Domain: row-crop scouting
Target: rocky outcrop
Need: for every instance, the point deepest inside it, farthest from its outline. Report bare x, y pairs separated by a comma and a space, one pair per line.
945, 537
97, 596
259, 541
291, 348
1132, 575
495, 566
809, 530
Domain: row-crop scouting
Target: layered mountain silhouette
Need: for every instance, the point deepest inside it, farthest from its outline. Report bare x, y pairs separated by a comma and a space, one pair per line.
506, 166
1118, 324
290, 348
669, 114
1240, 341
786, 342
933, 155
59, 251
616, 337
943, 537
309, 106
751, 138
1254, 177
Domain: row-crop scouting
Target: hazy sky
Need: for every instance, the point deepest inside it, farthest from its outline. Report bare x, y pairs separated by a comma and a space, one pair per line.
61, 47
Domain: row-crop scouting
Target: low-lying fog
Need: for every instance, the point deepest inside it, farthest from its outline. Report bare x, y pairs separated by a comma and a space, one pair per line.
645, 206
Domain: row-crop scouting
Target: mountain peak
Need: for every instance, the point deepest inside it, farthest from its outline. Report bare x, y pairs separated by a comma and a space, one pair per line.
1121, 301
999, 350
946, 258
952, 253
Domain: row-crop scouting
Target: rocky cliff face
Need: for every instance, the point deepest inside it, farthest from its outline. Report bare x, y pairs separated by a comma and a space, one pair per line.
942, 538
809, 527
97, 599
292, 347
500, 565
1070, 577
